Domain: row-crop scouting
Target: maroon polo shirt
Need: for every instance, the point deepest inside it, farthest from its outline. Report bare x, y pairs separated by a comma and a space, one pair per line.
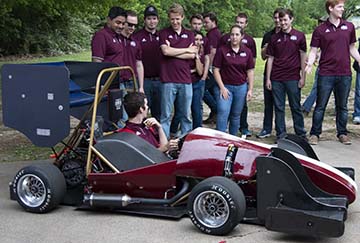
247, 40
151, 52
206, 45
233, 65
145, 132
213, 37
132, 53
172, 69
334, 43
195, 76
285, 48
106, 46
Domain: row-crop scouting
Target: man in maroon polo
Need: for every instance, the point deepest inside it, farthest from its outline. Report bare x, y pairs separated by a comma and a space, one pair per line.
132, 54
148, 37
106, 44
213, 36
148, 129
177, 47
285, 72
336, 40
268, 97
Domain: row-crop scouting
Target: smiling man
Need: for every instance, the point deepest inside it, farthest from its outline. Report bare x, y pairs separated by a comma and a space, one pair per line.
336, 39
106, 45
285, 72
177, 47
132, 53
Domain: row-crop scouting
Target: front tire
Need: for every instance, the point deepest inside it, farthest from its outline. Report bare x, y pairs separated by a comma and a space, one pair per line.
216, 205
39, 188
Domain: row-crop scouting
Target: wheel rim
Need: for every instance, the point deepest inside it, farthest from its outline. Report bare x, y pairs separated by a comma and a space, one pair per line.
211, 209
31, 190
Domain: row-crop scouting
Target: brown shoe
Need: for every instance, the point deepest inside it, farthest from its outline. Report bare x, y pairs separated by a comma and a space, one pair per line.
344, 139
313, 140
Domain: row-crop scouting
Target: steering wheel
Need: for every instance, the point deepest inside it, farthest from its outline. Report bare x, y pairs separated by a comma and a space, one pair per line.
175, 153
182, 140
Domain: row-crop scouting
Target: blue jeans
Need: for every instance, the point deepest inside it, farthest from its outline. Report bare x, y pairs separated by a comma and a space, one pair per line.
357, 96
209, 93
310, 100
230, 109
152, 89
196, 108
268, 109
179, 96
291, 89
196, 104
341, 86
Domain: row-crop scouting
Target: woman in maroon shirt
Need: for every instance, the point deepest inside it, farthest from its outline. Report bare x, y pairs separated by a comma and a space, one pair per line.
234, 74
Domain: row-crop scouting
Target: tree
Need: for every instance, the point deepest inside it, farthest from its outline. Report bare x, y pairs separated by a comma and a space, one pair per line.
53, 26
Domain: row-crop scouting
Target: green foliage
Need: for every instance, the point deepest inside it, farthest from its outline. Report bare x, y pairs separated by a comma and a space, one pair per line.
55, 27
48, 26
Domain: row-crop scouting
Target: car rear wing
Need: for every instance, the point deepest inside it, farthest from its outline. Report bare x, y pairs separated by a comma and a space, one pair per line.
38, 99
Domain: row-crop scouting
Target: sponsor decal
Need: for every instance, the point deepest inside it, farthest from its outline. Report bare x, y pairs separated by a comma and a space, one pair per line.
243, 54
244, 41
171, 37
184, 36
114, 40
143, 40
118, 104
228, 54
344, 27
157, 38
43, 132
327, 31
293, 37
278, 40
133, 43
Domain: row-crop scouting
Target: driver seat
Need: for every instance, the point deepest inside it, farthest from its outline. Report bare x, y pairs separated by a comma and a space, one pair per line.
127, 151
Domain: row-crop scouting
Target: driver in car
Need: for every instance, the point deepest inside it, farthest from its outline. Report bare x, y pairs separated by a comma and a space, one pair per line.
136, 106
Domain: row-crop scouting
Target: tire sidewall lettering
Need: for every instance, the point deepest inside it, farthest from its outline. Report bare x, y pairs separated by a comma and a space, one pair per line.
222, 191
47, 200
16, 179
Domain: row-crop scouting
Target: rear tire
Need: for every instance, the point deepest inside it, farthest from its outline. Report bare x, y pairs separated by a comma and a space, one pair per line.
216, 205
39, 188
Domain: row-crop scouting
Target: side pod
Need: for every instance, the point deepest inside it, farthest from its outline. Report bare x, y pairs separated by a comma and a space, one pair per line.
289, 202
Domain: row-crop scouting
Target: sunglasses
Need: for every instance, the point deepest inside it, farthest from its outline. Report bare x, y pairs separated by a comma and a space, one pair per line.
131, 25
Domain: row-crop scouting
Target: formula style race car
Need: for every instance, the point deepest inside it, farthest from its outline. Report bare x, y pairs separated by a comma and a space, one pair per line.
216, 179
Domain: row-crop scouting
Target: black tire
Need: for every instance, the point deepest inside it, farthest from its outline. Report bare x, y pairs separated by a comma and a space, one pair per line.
217, 196
39, 188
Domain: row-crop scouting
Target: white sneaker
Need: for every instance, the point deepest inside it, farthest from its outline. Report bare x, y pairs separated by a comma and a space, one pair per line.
356, 120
